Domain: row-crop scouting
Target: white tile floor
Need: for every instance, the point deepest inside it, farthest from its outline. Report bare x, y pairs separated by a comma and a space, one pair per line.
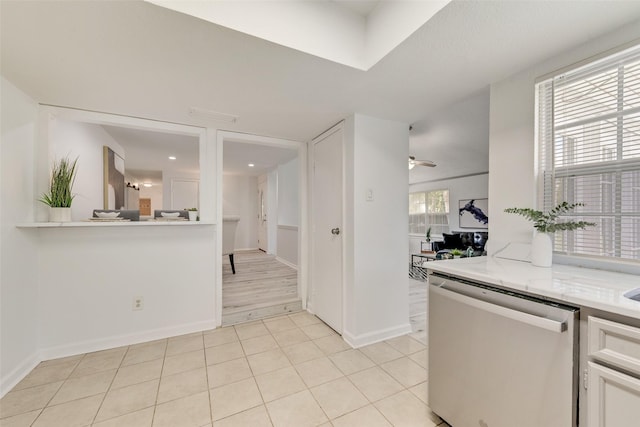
287, 371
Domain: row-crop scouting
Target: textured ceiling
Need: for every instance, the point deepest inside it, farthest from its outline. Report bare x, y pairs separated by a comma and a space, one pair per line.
134, 58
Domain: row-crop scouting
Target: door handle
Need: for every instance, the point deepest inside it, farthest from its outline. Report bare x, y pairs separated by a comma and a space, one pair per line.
335, 231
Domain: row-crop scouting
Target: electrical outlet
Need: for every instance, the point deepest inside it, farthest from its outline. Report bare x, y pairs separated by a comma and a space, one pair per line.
138, 303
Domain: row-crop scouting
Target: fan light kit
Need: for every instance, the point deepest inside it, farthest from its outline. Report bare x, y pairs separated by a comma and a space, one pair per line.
413, 163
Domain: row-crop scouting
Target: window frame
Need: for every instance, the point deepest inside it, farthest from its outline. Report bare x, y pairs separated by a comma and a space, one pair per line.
439, 228
549, 174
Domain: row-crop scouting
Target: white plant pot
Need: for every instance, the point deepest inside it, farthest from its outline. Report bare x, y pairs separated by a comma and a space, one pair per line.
542, 249
59, 214
193, 215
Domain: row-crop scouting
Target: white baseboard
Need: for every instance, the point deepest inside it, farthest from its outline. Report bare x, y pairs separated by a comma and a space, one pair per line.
21, 371
375, 336
123, 340
288, 263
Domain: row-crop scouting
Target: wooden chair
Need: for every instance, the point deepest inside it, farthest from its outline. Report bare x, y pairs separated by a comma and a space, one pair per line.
229, 227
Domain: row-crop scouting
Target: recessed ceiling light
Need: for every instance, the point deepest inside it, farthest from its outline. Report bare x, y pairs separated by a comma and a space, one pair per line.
147, 184
251, 165
172, 157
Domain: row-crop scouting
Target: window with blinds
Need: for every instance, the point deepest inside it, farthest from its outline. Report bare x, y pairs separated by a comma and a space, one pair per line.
429, 209
589, 151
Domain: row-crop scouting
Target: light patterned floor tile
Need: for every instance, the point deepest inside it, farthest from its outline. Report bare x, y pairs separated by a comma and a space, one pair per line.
46, 374
420, 358
406, 345
224, 353
420, 391
338, 397
351, 361
405, 371
318, 371
303, 352
183, 362
142, 418
280, 383
255, 417
375, 383
21, 420
139, 373
77, 413
268, 361
180, 385
290, 337
251, 330
259, 344
304, 318
145, 352
296, 410
228, 372
184, 344
88, 385
190, 411
317, 330
280, 324
128, 399
220, 336
100, 361
20, 401
61, 360
233, 398
381, 352
331, 344
367, 416
405, 410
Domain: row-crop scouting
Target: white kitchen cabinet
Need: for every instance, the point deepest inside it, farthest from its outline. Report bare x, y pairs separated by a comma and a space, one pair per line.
613, 392
614, 398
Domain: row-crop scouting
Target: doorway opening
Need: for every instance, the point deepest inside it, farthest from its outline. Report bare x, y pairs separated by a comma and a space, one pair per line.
262, 189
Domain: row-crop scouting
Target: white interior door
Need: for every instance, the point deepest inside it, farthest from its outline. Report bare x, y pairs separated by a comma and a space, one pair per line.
327, 230
263, 232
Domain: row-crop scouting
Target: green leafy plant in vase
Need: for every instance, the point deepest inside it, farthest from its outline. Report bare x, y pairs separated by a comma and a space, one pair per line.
547, 223
60, 196
457, 253
193, 214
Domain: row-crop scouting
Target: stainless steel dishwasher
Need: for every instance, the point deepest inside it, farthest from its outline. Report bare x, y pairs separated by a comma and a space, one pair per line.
500, 359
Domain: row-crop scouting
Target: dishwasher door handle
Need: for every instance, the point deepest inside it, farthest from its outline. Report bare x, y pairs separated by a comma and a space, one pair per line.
520, 316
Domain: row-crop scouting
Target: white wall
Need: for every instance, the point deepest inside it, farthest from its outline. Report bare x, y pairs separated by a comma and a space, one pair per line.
168, 176
288, 209
155, 193
376, 277
272, 212
18, 248
471, 187
240, 197
288, 193
84, 141
90, 306
512, 133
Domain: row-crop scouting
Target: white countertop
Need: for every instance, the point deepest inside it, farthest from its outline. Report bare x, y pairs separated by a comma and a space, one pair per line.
585, 287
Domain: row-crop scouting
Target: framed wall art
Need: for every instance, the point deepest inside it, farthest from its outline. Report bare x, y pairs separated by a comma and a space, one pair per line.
474, 213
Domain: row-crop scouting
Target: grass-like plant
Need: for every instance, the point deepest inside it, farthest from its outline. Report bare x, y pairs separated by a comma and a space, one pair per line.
456, 252
548, 222
63, 175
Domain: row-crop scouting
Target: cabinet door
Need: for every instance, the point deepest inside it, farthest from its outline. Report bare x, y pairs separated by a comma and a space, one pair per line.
613, 398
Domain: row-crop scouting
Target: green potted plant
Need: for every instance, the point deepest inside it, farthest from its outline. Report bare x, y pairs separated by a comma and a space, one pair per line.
60, 196
547, 223
457, 253
193, 214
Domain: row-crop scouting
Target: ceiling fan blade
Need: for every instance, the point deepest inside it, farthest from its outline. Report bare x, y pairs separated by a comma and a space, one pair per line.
413, 162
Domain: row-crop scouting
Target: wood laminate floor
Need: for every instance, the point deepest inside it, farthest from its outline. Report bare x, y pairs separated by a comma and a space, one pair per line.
262, 287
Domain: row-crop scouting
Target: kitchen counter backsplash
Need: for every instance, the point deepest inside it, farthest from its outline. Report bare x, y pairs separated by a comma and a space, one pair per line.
585, 287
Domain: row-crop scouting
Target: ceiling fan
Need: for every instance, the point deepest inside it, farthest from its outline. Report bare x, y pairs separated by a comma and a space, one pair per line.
413, 162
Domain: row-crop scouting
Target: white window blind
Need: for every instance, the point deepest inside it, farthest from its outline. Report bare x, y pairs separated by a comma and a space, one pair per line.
589, 151
429, 209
